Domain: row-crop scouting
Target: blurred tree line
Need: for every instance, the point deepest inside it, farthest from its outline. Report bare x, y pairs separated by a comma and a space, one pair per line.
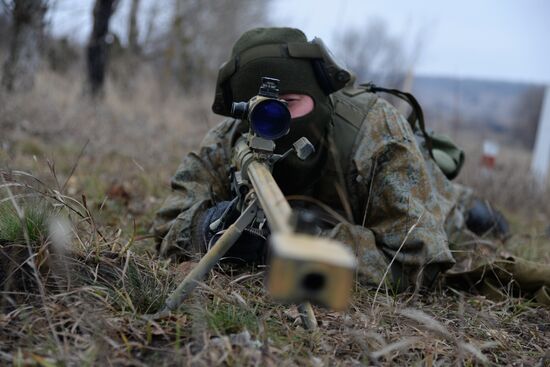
27, 23
185, 41
186, 47
375, 54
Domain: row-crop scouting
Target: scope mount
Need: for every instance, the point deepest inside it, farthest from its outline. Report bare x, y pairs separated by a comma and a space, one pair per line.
269, 87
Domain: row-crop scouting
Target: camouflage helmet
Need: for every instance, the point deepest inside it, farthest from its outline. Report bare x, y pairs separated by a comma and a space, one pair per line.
282, 53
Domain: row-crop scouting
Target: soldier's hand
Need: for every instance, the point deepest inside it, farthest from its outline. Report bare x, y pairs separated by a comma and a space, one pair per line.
249, 248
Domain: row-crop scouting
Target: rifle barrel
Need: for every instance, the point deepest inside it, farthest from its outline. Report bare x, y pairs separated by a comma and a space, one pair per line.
270, 196
272, 200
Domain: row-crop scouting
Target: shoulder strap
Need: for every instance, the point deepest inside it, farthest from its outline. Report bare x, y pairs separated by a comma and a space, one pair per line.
350, 109
417, 113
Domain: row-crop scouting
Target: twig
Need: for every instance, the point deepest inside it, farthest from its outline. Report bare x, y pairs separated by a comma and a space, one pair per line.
393, 259
73, 169
399, 345
369, 196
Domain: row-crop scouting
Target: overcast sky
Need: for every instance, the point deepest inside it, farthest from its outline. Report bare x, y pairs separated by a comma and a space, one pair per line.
495, 39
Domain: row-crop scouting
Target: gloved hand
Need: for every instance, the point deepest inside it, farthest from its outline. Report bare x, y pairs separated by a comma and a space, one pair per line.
482, 218
249, 248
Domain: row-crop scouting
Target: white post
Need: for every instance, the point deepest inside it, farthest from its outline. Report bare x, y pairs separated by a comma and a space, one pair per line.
541, 153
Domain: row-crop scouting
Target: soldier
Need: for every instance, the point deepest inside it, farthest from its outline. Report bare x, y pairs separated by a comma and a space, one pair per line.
371, 180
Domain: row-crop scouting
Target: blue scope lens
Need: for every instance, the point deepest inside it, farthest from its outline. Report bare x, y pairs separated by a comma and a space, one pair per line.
270, 119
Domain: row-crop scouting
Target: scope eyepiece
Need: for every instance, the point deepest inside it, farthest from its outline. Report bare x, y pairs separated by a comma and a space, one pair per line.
239, 110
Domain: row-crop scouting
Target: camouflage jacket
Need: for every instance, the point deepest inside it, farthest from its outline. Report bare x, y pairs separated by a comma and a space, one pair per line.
398, 202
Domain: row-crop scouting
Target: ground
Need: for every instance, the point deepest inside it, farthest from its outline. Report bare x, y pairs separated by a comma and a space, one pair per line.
105, 166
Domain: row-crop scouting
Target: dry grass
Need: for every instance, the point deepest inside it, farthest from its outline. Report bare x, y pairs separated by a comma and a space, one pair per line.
87, 304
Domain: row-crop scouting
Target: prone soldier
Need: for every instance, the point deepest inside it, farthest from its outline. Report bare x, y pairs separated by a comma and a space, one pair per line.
370, 182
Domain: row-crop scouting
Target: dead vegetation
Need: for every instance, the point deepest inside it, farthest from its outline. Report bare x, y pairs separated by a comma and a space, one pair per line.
103, 168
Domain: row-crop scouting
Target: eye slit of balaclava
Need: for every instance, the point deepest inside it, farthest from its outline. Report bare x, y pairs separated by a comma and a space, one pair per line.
299, 104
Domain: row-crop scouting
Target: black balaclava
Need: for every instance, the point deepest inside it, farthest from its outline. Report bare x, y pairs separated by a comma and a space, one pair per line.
296, 76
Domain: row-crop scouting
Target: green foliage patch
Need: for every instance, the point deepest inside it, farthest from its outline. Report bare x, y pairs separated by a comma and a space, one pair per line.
34, 222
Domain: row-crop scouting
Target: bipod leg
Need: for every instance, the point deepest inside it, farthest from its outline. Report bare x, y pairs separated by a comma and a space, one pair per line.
211, 258
308, 316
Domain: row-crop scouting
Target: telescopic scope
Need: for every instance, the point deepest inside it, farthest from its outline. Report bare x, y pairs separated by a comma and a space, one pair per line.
269, 116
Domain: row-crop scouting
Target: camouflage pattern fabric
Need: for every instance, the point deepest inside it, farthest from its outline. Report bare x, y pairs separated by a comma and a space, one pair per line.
483, 267
504, 277
396, 201
200, 180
